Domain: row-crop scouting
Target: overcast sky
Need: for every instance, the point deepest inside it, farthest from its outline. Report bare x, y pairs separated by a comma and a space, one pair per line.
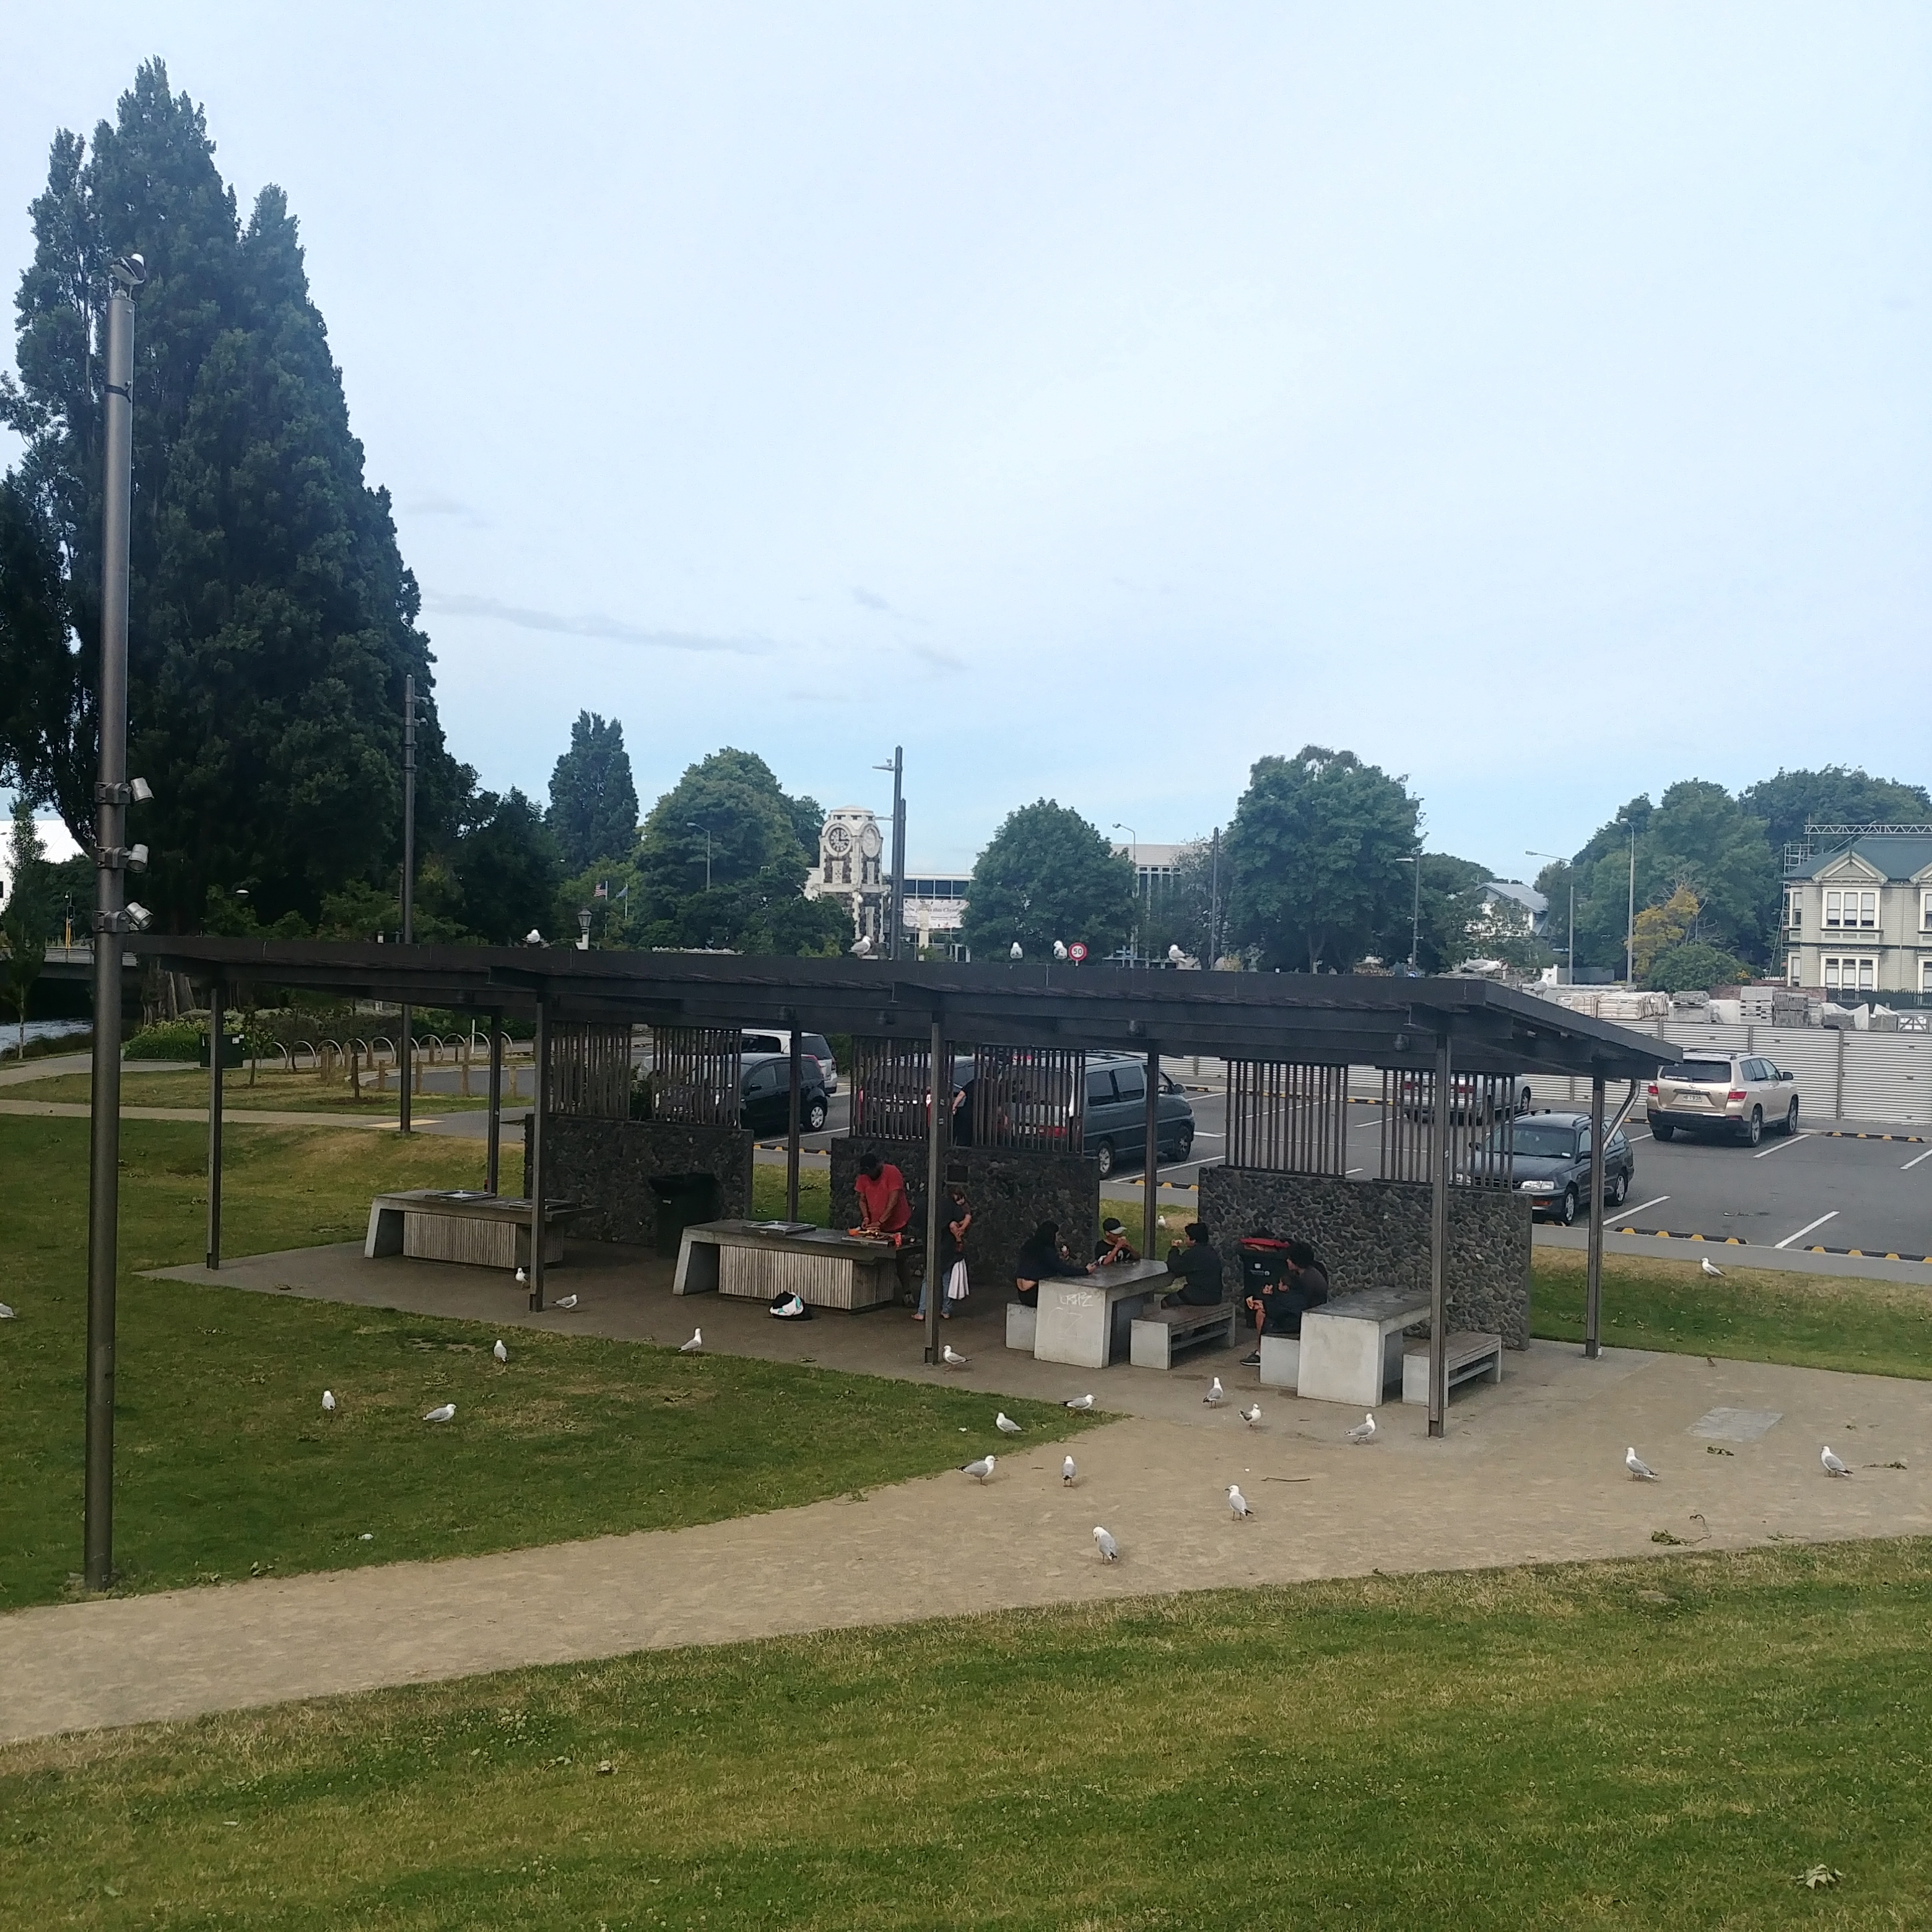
1095, 398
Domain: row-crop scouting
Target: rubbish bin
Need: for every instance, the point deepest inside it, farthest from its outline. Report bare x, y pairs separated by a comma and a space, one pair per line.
683, 1201
234, 1050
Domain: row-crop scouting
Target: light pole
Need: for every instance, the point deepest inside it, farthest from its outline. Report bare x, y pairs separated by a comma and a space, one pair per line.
1415, 916
897, 768
1570, 953
692, 825
1134, 849
583, 929
1629, 920
408, 895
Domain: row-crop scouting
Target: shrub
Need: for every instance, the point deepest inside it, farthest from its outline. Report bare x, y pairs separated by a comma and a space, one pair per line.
170, 1040
1696, 967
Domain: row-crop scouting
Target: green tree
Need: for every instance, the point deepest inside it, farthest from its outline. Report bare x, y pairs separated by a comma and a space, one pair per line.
272, 621
26, 916
1047, 874
509, 869
1832, 795
1697, 965
1315, 852
42, 708
1700, 836
593, 803
1452, 919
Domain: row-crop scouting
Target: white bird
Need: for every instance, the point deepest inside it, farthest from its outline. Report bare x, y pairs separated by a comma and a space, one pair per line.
1640, 1471
1110, 1550
447, 1413
952, 1357
565, 1301
328, 1402
1237, 1504
1364, 1431
1081, 1402
1252, 1416
1832, 1465
1068, 1472
6, 1313
502, 1354
978, 1471
1060, 949
533, 938
1005, 1424
1174, 955
695, 1344
1707, 1266
862, 947
1215, 1395
521, 1278
1015, 951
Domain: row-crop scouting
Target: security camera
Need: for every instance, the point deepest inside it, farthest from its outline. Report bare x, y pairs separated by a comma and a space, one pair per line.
138, 917
139, 792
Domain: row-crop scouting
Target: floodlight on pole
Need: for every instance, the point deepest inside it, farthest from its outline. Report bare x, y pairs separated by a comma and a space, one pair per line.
897, 768
1415, 914
1134, 853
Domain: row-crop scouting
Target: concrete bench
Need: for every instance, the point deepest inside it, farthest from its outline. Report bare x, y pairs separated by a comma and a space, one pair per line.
1281, 1361
1022, 1322
1156, 1336
1470, 1357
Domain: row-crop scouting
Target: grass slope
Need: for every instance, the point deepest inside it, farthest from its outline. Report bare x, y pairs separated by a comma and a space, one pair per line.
271, 1092
1637, 1746
224, 1463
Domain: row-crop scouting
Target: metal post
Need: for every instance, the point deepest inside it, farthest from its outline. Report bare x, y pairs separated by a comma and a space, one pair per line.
408, 878
1593, 1290
491, 1173
1629, 920
217, 1008
1214, 902
1415, 915
897, 900
1151, 1180
794, 1072
1444, 1099
103, 1192
537, 1174
939, 1111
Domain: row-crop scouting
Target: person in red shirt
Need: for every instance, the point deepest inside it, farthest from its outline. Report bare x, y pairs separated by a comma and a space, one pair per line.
883, 1207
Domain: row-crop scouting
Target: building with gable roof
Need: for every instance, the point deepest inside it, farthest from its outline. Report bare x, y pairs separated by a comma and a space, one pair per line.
1857, 919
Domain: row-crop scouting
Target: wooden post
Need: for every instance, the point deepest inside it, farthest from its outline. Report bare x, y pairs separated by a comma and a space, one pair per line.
1593, 1290
795, 1071
1151, 1180
541, 1107
1445, 1100
939, 1118
496, 1129
217, 1008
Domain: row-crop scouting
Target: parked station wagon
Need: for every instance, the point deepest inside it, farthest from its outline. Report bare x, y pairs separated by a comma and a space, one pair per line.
1736, 1095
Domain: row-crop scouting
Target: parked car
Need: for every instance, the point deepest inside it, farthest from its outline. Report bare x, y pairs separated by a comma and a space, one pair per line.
1472, 1097
1738, 1095
1551, 1164
812, 1046
765, 1093
1116, 1113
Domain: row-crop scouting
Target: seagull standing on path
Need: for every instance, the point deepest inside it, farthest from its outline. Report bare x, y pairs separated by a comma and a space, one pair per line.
1252, 1416
1640, 1471
1215, 1395
502, 1354
1237, 1504
328, 1402
1364, 1431
1005, 1424
565, 1302
1828, 1459
1110, 1550
978, 1471
1068, 1472
1081, 1403
695, 1345
523, 1279
1707, 1266
447, 1413
952, 1357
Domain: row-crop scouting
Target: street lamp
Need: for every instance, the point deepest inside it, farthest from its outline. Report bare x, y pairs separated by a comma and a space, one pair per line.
1415, 916
897, 768
583, 929
1134, 847
1570, 953
692, 825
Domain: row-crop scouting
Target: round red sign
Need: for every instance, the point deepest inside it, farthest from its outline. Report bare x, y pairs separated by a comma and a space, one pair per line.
1076, 952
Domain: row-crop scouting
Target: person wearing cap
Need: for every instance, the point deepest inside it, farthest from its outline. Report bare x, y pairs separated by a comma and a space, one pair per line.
1199, 1267
1112, 1250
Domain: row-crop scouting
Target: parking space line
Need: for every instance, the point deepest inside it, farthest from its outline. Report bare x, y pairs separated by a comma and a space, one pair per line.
1781, 1146
1641, 1206
1915, 1160
1638, 1134
1807, 1229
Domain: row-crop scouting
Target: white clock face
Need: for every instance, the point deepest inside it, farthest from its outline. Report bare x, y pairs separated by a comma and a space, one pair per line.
869, 841
838, 840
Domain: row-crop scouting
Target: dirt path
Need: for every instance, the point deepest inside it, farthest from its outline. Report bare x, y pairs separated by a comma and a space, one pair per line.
1532, 1472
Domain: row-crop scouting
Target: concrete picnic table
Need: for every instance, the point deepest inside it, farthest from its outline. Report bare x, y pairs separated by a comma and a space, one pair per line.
1351, 1344
1086, 1319
458, 1225
761, 1260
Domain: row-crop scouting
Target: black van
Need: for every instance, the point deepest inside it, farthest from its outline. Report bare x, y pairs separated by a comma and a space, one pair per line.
1116, 1113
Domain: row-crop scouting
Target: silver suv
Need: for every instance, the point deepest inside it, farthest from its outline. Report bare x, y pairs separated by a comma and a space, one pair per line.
1740, 1095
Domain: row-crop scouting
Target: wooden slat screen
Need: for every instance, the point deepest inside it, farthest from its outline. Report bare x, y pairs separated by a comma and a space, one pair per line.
1288, 1118
696, 1074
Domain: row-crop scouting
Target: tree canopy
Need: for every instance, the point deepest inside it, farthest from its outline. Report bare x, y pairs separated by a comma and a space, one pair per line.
1047, 874
1832, 795
26, 914
593, 803
1315, 852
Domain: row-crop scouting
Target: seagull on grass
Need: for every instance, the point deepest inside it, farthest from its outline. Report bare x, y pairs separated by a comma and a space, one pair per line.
1080, 1404
1005, 1424
1831, 1463
1215, 1395
1364, 1431
1068, 1472
694, 1345
6, 1313
447, 1413
1110, 1550
1640, 1471
1252, 1416
1237, 1504
328, 1402
953, 1359
1707, 1266
502, 1354
978, 1471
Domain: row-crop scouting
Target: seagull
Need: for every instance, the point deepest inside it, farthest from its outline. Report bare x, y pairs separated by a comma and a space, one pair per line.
1174, 955
1110, 1550
862, 947
1081, 1403
952, 1357
1252, 1416
1237, 1504
328, 1402
1068, 1472
1640, 1471
978, 1471
1060, 949
1707, 1266
1005, 1424
502, 1354
1364, 1431
695, 1345
1015, 951
1832, 1466
533, 938
565, 1301
447, 1413
6, 1313
1215, 1395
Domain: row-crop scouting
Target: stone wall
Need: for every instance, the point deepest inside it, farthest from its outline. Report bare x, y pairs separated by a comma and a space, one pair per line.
1376, 1234
608, 1166
1011, 1192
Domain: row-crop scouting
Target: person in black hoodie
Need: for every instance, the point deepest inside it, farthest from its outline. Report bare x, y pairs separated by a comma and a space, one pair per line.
1199, 1267
1303, 1285
1042, 1259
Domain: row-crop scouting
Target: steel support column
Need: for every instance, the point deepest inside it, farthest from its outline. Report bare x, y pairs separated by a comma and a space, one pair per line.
1442, 1109
217, 1004
1593, 1289
794, 1074
494, 1144
939, 1120
1150, 1179
538, 1177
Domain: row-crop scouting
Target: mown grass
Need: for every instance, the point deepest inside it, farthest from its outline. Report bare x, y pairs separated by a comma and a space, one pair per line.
814, 1194
226, 1466
1637, 1746
1756, 1315
274, 1092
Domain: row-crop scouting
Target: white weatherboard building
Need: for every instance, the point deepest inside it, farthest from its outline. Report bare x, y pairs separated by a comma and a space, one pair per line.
1858, 920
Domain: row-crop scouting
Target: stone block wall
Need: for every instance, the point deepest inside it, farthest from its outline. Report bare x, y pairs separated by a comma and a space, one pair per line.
1011, 1192
609, 1165
1376, 1234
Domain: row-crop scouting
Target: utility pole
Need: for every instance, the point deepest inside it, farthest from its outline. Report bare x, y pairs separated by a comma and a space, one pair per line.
408, 1043
692, 825
1629, 924
1214, 902
113, 916
895, 909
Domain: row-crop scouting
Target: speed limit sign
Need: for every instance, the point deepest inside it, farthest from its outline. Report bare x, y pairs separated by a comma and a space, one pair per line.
1076, 952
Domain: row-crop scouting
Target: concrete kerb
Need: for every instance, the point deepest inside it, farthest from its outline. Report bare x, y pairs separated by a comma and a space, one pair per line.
1915, 1273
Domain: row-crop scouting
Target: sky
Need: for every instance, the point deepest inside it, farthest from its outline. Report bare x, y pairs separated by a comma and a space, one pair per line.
1095, 398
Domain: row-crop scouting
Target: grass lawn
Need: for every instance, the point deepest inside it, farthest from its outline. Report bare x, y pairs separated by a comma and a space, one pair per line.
224, 1463
277, 1092
814, 1194
1643, 1746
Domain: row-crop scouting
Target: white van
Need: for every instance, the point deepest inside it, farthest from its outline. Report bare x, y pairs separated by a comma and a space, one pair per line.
810, 1046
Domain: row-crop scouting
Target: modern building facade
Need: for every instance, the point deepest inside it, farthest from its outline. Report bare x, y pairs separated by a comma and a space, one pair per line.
1858, 919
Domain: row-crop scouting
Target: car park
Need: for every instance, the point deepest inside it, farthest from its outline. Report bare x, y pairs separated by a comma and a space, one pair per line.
1550, 1163
1115, 1114
1738, 1096
765, 1093
1472, 1096
812, 1046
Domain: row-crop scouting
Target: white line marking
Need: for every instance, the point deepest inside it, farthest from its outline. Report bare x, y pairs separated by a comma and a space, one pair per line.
1639, 1134
1354, 1170
1782, 1145
1620, 1212
1915, 1160
1807, 1227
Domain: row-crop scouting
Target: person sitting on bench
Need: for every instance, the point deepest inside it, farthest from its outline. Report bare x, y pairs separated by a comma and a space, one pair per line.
1044, 1257
1303, 1285
1199, 1267
1112, 1250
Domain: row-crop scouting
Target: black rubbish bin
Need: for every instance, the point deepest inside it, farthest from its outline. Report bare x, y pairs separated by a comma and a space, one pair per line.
683, 1201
